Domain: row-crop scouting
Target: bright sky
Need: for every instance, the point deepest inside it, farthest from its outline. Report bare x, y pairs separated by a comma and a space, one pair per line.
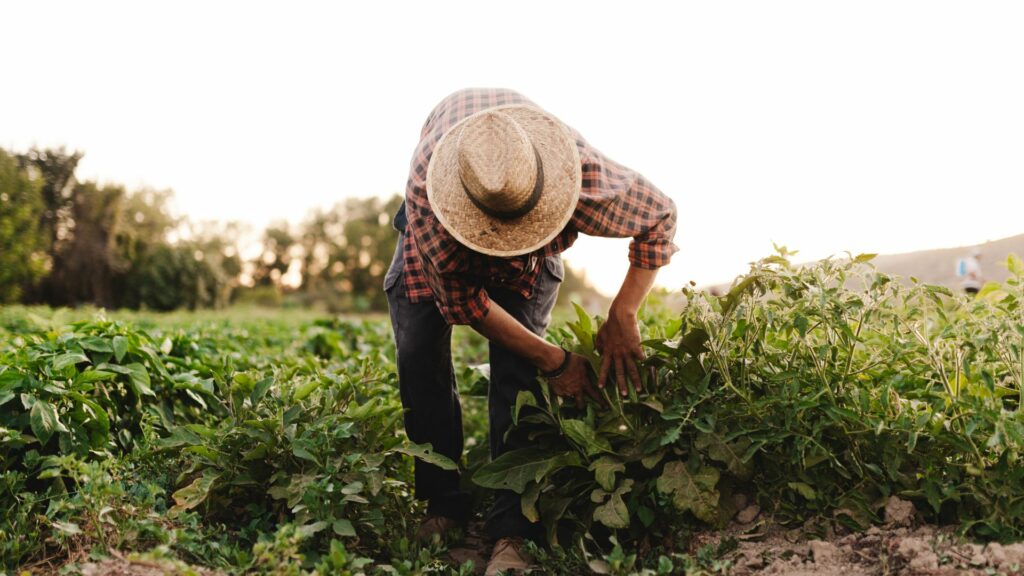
871, 126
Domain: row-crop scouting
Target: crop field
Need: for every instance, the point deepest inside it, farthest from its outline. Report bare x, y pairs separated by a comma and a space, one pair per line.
808, 405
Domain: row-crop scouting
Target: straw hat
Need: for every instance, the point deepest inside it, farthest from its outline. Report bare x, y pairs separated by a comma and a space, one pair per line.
505, 181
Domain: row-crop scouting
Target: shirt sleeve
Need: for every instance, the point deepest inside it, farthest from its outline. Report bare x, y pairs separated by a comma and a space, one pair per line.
617, 202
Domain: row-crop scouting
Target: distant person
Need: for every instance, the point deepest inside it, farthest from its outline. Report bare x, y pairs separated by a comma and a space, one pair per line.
970, 272
498, 189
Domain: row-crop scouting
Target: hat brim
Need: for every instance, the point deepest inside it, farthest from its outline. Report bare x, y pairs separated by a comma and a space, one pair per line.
506, 238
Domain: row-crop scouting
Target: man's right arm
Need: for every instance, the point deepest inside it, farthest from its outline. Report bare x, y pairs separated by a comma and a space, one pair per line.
500, 327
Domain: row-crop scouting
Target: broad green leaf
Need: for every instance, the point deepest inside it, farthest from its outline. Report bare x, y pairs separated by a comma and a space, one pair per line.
120, 346
100, 420
311, 529
301, 450
114, 368
352, 488
731, 454
801, 323
583, 329
90, 376
1015, 265
804, 490
552, 509
305, 390
583, 319
195, 493
651, 460
259, 390
736, 293
257, 453
585, 437
523, 398
180, 437
343, 528
44, 420
69, 359
528, 501
604, 469
514, 470
694, 341
10, 378
692, 490
426, 453
96, 344
138, 377
613, 513
861, 258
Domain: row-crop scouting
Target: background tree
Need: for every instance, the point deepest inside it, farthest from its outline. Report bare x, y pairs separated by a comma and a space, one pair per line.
56, 169
276, 255
22, 245
346, 252
85, 257
173, 263
66, 242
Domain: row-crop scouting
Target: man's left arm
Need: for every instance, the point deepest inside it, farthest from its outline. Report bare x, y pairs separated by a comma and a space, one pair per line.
618, 340
618, 202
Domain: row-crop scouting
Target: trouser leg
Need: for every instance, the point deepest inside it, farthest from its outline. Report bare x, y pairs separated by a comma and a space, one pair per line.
430, 398
510, 374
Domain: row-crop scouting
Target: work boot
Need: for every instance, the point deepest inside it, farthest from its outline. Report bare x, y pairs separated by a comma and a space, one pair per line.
445, 528
509, 557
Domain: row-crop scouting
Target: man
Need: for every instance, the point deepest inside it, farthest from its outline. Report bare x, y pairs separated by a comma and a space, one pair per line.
971, 282
497, 189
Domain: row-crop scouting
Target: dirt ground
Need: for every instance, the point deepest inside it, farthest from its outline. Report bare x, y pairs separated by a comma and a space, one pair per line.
126, 567
901, 547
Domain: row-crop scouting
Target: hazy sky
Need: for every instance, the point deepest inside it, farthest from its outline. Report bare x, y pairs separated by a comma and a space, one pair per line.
825, 126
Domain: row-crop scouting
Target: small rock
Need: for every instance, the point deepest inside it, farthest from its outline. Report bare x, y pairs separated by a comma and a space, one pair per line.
1014, 555
995, 553
972, 553
752, 559
739, 501
918, 553
925, 561
868, 542
822, 551
873, 531
899, 512
925, 531
748, 514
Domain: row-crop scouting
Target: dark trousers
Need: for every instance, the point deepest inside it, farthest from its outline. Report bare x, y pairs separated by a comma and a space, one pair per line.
430, 396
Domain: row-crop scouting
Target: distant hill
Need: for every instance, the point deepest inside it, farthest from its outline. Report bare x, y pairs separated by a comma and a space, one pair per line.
939, 266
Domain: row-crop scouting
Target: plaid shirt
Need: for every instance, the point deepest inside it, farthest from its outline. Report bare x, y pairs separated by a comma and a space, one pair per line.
614, 202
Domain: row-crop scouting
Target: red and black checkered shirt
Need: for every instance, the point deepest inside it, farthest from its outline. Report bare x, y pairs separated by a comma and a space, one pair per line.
614, 202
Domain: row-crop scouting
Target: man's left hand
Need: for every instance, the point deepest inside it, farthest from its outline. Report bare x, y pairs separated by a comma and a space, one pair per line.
618, 341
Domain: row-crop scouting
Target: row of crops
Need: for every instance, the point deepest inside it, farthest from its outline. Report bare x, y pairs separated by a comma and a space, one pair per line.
274, 445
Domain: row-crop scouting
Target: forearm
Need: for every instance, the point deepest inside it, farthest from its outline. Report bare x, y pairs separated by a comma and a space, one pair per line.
500, 327
634, 289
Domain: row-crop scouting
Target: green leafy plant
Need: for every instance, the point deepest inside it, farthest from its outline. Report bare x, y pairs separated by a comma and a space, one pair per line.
320, 448
818, 390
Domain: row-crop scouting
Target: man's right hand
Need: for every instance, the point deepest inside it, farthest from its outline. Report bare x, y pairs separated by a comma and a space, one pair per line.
575, 381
